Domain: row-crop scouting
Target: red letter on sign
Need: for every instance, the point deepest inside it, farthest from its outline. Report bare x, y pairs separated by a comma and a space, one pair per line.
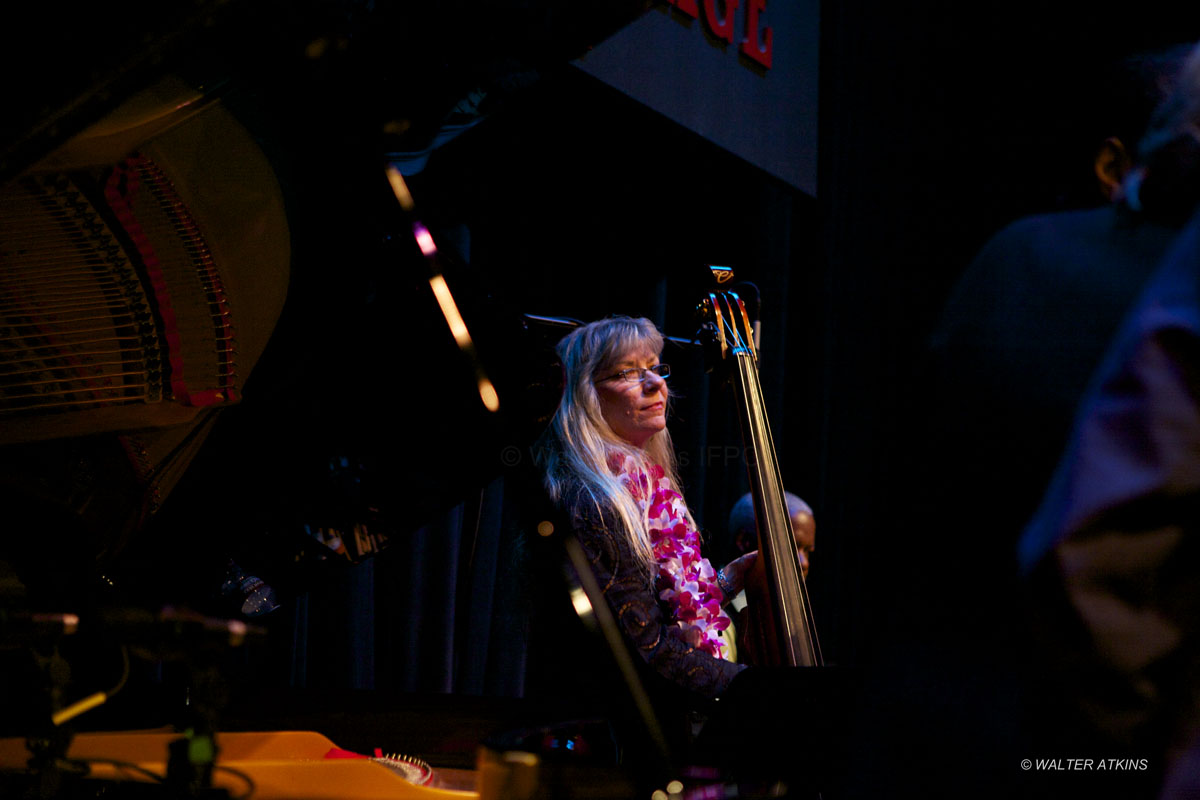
750, 44
722, 28
687, 7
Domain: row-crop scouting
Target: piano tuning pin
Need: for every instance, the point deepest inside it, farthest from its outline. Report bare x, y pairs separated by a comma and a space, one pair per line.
414, 770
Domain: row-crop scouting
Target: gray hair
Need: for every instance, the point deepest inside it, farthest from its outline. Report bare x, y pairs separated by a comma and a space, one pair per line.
742, 516
1168, 180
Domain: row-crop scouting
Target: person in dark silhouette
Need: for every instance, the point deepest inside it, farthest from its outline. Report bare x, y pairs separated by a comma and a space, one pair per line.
1109, 558
1028, 320
991, 406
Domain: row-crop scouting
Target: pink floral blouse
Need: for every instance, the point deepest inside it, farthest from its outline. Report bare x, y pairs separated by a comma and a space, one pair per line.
686, 581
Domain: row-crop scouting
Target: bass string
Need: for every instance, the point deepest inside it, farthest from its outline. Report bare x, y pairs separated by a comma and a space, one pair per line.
768, 473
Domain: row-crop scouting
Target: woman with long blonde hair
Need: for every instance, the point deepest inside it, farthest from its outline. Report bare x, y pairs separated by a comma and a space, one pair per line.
610, 466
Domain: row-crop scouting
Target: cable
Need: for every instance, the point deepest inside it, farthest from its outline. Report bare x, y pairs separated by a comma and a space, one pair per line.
251, 787
95, 700
118, 764
124, 672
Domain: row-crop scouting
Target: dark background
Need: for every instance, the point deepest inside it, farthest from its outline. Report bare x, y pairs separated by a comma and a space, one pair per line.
940, 122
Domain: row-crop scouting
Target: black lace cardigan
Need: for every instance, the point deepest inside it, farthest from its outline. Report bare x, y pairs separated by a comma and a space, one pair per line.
642, 618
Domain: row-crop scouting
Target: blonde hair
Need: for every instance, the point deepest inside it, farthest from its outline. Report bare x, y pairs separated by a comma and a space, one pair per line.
578, 444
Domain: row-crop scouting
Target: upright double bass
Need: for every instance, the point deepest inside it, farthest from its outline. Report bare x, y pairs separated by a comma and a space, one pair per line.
782, 631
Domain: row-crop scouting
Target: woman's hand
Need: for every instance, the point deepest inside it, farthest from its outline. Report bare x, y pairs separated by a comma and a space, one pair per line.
736, 573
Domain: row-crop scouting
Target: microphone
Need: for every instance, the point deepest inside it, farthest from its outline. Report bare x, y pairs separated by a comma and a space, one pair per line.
30, 626
174, 627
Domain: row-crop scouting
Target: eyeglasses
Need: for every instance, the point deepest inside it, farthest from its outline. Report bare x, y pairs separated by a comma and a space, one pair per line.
638, 374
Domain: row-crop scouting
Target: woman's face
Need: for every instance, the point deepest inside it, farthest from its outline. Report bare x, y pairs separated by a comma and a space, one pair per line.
635, 411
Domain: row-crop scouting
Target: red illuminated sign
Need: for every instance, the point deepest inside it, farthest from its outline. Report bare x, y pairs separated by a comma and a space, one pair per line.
756, 40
